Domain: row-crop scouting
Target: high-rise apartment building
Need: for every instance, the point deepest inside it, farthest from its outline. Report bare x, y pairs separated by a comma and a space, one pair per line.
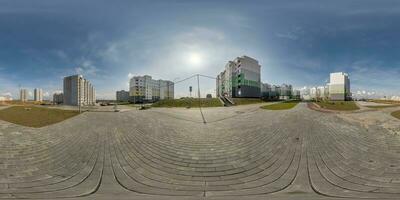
241, 78
23, 95
146, 89
38, 95
78, 91
339, 87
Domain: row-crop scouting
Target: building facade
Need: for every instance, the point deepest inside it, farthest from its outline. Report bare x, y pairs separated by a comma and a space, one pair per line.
241, 78
339, 87
144, 89
122, 96
58, 98
286, 92
23, 95
78, 91
38, 95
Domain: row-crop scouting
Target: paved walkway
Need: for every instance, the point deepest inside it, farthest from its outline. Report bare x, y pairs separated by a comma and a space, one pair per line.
240, 153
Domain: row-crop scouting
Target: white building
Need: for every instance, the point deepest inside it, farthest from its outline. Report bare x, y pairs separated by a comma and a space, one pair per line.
146, 89
78, 91
23, 95
38, 95
339, 86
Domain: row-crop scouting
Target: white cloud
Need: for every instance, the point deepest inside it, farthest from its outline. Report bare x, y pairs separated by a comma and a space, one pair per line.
6, 94
87, 68
130, 75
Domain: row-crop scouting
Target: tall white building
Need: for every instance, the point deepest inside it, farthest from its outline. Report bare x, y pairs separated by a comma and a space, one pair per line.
38, 94
146, 89
78, 91
339, 86
23, 95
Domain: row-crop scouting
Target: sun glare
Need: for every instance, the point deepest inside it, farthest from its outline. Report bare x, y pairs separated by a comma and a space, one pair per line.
194, 59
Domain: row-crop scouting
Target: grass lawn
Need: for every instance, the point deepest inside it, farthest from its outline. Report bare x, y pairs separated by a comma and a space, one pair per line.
383, 106
385, 101
338, 105
35, 116
246, 101
281, 106
186, 102
396, 114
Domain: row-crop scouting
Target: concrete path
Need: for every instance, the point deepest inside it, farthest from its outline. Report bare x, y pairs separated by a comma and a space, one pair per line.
240, 153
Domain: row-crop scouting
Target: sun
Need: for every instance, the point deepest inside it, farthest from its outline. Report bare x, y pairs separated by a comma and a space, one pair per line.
194, 59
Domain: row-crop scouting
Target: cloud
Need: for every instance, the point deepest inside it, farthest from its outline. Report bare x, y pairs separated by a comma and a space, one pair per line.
87, 68
6, 94
293, 34
130, 75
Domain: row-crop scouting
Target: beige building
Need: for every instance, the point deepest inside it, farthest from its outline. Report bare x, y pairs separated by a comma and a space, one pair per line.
23, 95
38, 95
78, 91
339, 86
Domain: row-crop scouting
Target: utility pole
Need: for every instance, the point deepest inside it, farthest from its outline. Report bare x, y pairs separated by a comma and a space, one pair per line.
79, 96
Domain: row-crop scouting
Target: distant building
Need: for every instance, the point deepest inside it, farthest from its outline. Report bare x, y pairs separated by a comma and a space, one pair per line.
23, 95
322, 93
58, 98
122, 96
296, 94
339, 87
145, 89
38, 95
241, 78
78, 91
285, 92
5, 98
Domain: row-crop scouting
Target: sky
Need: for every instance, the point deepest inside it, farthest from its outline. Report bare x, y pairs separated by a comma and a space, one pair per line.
295, 42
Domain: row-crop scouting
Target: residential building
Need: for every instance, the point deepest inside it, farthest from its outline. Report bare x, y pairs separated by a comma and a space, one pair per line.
265, 90
322, 93
58, 98
339, 86
122, 96
145, 89
285, 92
78, 91
38, 95
23, 95
241, 78
6, 98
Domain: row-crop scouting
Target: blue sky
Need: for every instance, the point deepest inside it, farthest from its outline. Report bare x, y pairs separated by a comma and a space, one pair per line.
296, 42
